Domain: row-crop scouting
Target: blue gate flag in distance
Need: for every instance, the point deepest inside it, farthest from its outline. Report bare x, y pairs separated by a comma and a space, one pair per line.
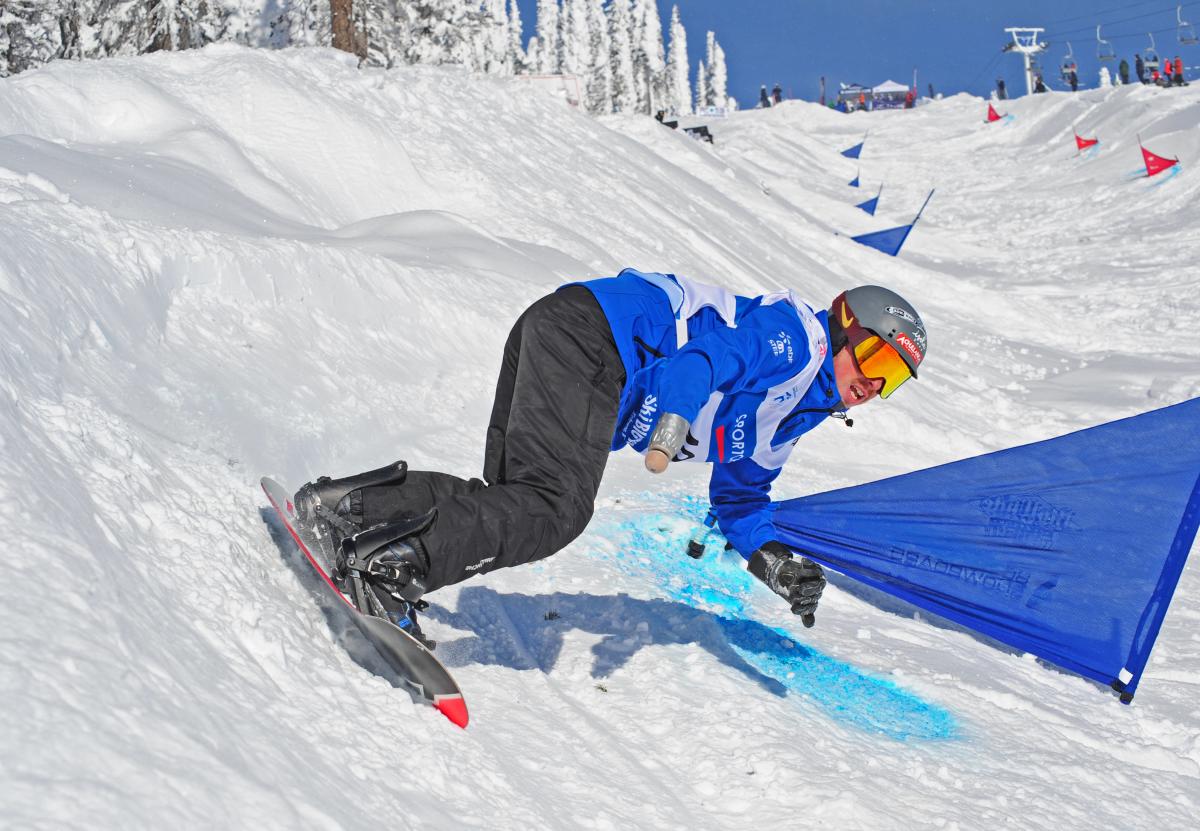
1068, 548
889, 241
871, 204
855, 151
892, 240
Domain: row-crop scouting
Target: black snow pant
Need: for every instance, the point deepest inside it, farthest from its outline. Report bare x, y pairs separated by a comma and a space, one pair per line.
547, 444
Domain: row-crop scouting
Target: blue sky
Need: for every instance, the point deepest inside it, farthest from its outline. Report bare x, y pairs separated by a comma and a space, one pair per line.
954, 44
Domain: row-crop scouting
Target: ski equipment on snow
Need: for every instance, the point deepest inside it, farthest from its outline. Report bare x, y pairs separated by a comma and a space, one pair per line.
403, 651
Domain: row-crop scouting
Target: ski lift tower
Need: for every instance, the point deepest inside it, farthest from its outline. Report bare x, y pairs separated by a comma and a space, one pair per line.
1025, 41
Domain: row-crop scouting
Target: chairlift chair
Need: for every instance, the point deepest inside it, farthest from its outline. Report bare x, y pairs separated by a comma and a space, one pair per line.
1068, 62
1104, 50
1186, 32
1150, 56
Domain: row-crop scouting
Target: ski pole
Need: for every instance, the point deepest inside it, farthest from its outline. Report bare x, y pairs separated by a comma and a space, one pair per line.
696, 545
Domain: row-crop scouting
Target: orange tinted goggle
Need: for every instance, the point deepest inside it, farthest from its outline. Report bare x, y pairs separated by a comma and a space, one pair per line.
876, 358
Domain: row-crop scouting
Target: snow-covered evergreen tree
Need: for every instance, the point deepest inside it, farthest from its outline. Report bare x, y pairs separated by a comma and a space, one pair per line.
649, 63
701, 86
517, 59
718, 75
679, 88
533, 55
625, 96
549, 36
599, 76
493, 39
30, 33
445, 32
576, 51
614, 47
387, 26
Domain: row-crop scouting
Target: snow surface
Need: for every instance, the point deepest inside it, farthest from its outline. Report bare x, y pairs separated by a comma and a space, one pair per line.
222, 264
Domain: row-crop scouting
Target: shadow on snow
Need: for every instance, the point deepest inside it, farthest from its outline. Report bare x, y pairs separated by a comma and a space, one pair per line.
526, 632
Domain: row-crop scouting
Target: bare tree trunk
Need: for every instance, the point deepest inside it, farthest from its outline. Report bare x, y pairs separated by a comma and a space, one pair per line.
342, 14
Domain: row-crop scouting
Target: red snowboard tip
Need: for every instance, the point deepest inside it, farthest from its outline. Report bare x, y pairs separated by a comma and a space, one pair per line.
454, 708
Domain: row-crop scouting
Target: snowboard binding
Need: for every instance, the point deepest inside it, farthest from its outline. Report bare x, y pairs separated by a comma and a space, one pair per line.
382, 569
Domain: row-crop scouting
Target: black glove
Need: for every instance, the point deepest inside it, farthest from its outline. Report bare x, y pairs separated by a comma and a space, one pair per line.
799, 582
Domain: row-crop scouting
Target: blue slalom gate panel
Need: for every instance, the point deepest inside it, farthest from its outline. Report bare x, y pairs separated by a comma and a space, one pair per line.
889, 241
1068, 548
853, 152
853, 182
870, 205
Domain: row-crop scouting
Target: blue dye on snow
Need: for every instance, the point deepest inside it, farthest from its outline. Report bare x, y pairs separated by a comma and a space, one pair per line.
654, 547
1167, 175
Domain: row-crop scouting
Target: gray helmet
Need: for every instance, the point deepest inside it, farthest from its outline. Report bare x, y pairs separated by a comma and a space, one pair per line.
884, 313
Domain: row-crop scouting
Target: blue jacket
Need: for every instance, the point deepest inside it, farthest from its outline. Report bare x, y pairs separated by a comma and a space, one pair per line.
750, 374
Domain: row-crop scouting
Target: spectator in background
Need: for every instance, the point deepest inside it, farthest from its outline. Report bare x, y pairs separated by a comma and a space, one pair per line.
777, 94
764, 100
1001, 92
1155, 78
1039, 85
1072, 79
910, 98
1179, 72
1168, 69
1123, 71
931, 95
1139, 66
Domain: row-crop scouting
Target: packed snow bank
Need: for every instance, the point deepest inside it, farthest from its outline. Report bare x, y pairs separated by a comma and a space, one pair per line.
220, 264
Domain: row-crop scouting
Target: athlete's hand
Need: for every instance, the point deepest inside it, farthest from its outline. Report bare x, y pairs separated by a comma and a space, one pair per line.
798, 581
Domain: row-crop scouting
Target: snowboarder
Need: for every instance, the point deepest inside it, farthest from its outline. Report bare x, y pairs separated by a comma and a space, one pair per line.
764, 100
676, 369
1123, 71
1139, 66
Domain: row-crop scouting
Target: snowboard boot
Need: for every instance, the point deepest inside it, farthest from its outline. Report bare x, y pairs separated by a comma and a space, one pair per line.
317, 500
389, 565
331, 510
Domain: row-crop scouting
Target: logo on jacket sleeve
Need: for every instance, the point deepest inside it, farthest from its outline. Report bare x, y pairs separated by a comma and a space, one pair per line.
782, 344
737, 444
643, 420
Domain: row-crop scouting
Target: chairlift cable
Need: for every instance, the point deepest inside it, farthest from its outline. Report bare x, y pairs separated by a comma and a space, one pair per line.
1139, 34
1092, 15
986, 67
1049, 35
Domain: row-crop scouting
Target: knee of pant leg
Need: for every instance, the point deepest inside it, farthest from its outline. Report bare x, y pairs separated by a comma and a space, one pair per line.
577, 515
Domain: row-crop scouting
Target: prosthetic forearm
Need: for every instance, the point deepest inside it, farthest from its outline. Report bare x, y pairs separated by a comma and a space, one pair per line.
665, 441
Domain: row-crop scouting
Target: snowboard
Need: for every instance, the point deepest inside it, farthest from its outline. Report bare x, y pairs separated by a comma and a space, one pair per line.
410, 658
